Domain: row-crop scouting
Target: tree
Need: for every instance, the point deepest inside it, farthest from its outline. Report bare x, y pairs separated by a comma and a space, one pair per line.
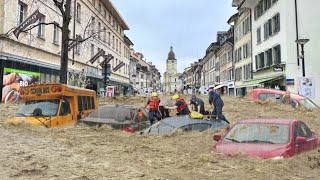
65, 9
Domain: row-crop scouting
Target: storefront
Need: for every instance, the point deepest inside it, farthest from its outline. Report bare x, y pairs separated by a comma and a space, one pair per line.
15, 74
277, 82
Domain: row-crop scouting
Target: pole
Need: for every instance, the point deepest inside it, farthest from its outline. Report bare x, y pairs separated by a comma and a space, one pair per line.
303, 67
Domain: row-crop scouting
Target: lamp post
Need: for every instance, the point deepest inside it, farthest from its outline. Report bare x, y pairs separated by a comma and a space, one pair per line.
302, 42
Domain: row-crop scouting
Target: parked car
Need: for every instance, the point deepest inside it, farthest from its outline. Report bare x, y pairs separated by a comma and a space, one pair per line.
277, 95
124, 117
185, 123
267, 138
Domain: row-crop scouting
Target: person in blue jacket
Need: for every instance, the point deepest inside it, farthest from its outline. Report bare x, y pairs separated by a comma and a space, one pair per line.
217, 102
196, 104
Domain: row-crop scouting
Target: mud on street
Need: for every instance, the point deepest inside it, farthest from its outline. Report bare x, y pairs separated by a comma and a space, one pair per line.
82, 152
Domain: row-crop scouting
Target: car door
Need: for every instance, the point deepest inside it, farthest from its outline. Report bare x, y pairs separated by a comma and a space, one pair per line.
300, 129
65, 112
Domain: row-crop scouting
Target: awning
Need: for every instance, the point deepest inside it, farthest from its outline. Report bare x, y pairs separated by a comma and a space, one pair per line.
220, 86
259, 81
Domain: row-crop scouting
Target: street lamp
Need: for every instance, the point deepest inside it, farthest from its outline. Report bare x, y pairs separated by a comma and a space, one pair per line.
302, 42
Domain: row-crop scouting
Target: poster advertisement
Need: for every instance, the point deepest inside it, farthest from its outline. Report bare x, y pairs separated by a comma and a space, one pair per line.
307, 87
110, 91
13, 79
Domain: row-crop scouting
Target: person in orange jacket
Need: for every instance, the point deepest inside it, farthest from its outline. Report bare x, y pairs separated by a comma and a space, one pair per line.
153, 104
180, 105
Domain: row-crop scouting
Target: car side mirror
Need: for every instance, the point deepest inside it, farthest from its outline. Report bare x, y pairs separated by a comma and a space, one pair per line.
301, 140
217, 137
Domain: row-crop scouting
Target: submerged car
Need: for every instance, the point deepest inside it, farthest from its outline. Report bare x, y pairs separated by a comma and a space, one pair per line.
267, 138
184, 123
125, 117
261, 94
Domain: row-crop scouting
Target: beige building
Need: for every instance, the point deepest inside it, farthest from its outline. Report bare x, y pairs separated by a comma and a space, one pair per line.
172, 82
225, 55
38, 50
242, 48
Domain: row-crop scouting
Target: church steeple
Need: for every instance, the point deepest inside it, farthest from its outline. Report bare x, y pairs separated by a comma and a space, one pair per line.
171, 55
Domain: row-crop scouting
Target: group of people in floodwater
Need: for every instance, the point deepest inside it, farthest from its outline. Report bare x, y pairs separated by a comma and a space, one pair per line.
158, 110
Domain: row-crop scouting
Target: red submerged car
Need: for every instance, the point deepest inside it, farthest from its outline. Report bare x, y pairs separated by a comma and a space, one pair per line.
261, 94
267, 138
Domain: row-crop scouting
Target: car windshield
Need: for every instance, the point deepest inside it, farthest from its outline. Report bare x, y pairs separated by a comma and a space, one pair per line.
308, 104
39, 108
258, 133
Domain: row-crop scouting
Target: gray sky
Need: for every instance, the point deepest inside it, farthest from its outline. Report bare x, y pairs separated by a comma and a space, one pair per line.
188, 25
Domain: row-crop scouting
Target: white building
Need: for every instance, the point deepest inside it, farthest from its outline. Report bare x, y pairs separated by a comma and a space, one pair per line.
172, 83
276, 25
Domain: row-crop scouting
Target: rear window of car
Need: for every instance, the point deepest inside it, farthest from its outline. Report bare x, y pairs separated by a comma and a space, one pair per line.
117, 113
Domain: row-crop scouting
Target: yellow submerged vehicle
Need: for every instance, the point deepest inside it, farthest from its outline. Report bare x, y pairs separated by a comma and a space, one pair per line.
54, 105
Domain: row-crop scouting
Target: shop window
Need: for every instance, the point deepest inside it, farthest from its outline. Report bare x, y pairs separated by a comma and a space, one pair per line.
47, 80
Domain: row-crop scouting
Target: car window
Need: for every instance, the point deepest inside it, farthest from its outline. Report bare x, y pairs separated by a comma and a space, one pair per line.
308, 104
272, 96
201, 127
196, 127
302, 130
65, 107
275, 133
161, 128
262, 96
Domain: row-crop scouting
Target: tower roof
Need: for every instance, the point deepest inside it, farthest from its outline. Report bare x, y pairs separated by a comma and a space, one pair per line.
171, 55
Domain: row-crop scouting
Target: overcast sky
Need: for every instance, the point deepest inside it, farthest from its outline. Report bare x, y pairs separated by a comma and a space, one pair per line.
188, 25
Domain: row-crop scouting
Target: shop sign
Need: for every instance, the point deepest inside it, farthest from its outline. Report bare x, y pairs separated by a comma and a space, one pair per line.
230, 84
34, 17
110, 91
13, 79
92, 70
278, 69
290, 82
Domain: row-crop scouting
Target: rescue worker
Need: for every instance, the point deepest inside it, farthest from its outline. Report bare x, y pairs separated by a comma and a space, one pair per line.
216, 101
196, 104
153, 103
180, 105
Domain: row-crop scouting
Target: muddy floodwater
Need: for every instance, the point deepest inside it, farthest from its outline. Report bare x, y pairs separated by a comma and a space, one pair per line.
82, 152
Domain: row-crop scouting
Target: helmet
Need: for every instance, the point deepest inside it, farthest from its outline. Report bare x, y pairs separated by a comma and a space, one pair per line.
154, 94
175, 97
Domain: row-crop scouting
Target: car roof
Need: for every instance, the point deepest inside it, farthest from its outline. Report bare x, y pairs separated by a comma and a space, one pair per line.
267, 121
294, 95
179, 121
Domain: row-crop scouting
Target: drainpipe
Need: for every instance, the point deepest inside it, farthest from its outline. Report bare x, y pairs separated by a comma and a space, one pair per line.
297, 29
251, 68
74, 26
